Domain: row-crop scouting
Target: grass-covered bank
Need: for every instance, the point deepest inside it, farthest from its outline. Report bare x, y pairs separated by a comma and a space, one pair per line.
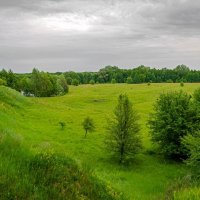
24, 175
37, 121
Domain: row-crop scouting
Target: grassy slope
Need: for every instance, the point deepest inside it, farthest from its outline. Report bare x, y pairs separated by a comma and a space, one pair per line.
43, 175
38, 121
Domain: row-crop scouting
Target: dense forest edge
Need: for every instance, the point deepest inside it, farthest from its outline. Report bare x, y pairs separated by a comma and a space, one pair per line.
53, 84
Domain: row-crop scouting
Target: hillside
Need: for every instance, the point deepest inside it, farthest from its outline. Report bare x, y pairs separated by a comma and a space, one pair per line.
42, 175
36, 121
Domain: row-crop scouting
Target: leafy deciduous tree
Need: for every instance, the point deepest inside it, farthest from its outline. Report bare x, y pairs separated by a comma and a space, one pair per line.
192, 143
88, 125
175, 116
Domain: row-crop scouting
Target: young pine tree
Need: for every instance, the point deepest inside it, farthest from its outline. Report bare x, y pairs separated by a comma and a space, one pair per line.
123, 130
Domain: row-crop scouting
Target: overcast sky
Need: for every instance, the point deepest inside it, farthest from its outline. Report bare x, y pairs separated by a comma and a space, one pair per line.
85, 35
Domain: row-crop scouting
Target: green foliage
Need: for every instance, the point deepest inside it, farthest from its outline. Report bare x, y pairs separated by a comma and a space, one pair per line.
61, 85
75, 82
26, 86
192, 142
174, 117
108, 74
113, 81
62, 124
41, 84
197, 95
129, 80
182, 84
2, 82
123, 129
88, 125
169, 81
69, 80
92, 82
12, 80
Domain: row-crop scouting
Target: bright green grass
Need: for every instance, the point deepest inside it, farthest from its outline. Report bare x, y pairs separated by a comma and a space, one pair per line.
37, 122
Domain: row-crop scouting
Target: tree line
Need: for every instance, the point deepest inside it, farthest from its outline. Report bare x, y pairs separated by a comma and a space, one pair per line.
141, 74
51, 84
39, 84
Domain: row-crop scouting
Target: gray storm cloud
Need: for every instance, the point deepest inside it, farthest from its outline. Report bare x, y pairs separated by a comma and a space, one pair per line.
85, 35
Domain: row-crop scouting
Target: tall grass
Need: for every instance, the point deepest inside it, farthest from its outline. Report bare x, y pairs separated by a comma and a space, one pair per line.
24, 175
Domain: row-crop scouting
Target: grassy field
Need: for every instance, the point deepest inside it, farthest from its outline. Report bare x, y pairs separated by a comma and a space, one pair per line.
36, 120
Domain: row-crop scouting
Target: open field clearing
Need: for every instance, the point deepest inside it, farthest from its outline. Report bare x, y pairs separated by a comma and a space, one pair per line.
36, 122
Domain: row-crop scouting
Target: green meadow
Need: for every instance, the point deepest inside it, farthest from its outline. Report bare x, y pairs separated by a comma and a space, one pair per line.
36, 123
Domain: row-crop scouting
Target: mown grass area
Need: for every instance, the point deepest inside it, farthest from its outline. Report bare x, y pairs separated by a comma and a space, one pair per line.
37, 121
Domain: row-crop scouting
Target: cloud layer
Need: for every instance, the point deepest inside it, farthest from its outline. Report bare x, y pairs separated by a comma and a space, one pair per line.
84, 35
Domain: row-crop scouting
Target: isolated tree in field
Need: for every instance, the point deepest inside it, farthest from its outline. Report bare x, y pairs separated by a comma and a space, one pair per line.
62, 124
123, 130
174, 117
88, 125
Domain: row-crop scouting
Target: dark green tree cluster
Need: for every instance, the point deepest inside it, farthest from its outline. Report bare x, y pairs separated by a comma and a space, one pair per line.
43, 84
176, 116
141, 74
9, 79
108, 74
40, 84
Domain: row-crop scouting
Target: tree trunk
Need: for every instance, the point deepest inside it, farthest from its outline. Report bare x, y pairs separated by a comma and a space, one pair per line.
121, 154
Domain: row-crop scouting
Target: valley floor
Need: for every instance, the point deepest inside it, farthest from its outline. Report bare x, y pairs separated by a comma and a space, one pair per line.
36, 120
